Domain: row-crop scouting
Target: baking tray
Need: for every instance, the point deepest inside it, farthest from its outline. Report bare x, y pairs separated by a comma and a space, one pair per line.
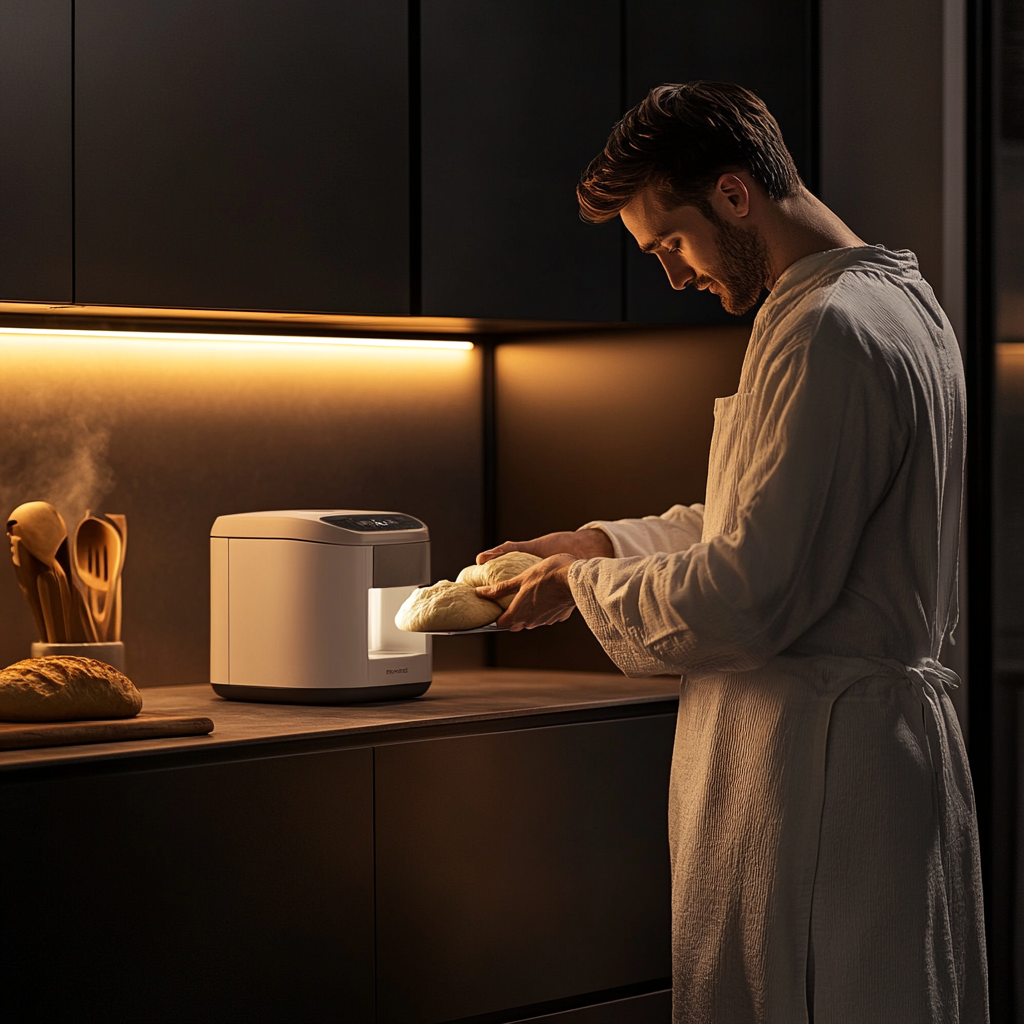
489, 628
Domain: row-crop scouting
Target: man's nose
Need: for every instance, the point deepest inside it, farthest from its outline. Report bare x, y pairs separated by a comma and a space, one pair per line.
679, 272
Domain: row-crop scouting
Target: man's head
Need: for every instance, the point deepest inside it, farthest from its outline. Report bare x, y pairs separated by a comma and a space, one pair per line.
681, 168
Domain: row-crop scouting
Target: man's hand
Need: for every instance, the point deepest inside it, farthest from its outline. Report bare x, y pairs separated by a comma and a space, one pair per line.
589, 543
542, 593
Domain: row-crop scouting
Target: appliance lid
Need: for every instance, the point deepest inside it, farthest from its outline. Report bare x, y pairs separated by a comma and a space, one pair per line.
345, 526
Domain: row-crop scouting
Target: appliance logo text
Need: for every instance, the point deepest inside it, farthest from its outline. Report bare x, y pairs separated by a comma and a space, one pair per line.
396, 671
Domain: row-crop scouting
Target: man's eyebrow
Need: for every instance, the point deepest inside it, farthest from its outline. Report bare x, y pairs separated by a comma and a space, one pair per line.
655, 242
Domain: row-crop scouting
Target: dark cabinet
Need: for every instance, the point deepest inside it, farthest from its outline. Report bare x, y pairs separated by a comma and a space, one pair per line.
521, 867
769, 48
413, 874
226, 892
394, 157
516, 99
36, 262
242, 154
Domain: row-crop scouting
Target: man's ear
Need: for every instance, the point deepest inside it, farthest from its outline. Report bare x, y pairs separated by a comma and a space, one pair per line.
731, 196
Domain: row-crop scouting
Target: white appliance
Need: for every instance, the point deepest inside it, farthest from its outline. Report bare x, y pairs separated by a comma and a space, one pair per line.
303, 602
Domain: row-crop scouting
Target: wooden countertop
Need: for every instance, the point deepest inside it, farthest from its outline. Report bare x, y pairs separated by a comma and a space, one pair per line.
454, 698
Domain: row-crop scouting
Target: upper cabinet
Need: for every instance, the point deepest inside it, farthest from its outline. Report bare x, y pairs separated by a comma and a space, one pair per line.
517, 98
248, 154
36, 205
395, 157
770, 48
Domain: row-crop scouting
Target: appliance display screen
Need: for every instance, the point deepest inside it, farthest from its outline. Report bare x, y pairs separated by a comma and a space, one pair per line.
370, 523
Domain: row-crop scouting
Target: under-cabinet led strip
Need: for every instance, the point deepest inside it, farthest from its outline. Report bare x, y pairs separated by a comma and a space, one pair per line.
264, 339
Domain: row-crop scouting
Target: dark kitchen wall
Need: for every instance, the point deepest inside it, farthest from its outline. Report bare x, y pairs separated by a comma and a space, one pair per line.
174, 434
892, 130
1009, 508
602, 426
595, 425
1007, 872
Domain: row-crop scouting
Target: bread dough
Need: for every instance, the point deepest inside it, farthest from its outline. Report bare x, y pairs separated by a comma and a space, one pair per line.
66, 689
455, 605
445, 605
497, 570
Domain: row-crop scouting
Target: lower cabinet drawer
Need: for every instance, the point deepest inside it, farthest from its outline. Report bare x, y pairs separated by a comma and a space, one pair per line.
521, 867
223, 892
502, 873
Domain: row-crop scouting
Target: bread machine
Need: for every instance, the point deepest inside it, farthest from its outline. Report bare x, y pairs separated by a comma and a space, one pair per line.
303, 602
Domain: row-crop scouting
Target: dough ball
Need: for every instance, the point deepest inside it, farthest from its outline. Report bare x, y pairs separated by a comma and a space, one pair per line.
497, 570
445, 605
66, 689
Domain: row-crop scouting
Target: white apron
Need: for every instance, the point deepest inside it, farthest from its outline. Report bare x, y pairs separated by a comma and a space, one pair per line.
822, 826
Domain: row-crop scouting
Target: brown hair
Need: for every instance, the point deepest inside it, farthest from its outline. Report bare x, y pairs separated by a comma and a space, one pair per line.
679, 140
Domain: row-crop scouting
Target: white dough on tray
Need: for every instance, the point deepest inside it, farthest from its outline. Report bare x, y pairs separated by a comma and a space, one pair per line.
455, 605
497, 570
443, 606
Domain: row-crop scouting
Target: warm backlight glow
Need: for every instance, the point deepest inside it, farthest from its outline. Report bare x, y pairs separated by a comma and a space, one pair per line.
260, 339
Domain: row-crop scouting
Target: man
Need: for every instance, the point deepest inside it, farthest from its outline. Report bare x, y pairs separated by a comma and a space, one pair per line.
822, 826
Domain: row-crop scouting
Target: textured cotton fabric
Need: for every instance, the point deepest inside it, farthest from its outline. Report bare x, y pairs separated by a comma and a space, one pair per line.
822, 826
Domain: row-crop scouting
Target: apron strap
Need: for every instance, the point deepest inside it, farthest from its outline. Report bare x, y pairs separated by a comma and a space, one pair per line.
930, 678
928, 670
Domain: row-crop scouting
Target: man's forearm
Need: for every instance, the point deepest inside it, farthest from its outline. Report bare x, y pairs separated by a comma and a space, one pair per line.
586, 543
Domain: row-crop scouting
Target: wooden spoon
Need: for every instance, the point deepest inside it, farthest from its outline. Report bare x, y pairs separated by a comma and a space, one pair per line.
98, 558
120, 522
83, 628
41, 529
51, 601
28, 568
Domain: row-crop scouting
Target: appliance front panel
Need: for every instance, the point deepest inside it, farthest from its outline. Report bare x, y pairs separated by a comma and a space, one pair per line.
298, 613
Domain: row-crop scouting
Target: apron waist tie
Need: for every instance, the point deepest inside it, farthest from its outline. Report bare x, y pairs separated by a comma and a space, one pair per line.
928, 670
929, 679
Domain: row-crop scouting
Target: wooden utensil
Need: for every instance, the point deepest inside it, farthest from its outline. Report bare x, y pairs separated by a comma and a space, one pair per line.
83, 629
51, 600
98, 559
27, 569
120, 522
82, 618
41, 529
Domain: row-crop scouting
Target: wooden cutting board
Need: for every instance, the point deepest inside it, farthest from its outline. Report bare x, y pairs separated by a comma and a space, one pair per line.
146, 726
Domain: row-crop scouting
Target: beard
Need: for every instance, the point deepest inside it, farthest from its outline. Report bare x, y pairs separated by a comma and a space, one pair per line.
741, 269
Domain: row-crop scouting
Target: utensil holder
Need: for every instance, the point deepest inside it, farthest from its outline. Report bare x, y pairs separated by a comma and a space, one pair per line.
111, 653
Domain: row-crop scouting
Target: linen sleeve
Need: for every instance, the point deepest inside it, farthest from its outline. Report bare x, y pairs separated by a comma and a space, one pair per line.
822, 438
675, 530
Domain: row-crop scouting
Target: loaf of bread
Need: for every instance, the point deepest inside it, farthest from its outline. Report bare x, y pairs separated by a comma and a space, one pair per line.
497, 570
66, 689
443, 606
